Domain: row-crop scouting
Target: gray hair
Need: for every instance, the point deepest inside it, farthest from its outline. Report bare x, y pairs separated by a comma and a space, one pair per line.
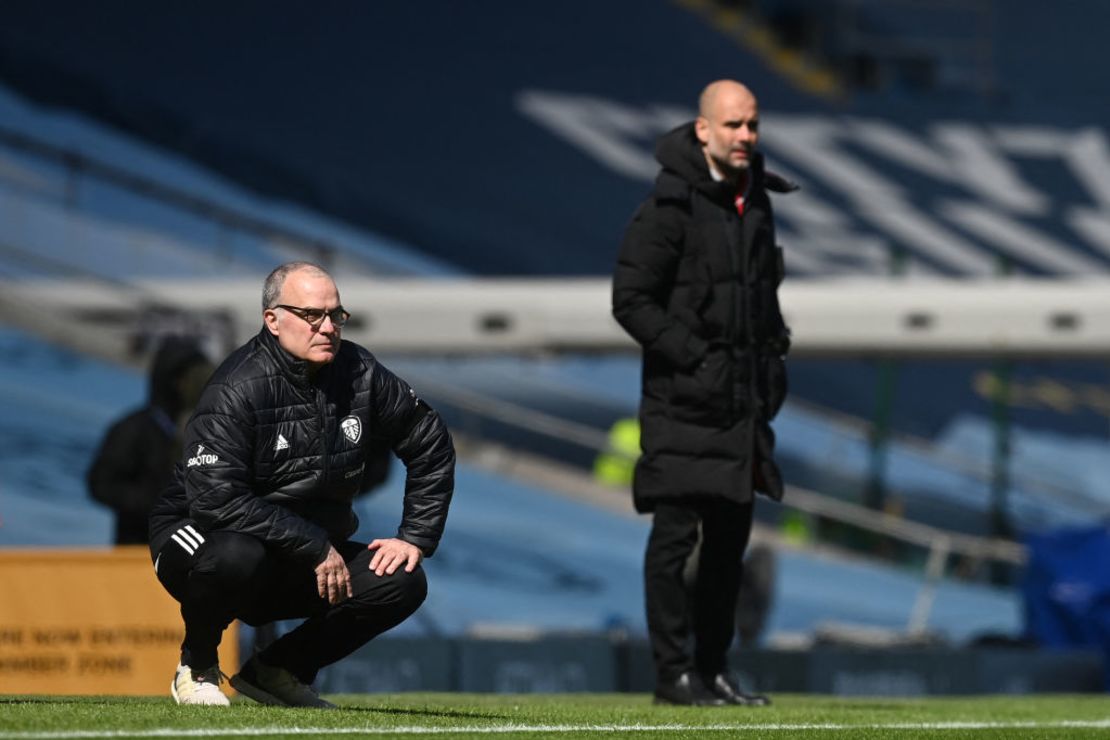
275, 281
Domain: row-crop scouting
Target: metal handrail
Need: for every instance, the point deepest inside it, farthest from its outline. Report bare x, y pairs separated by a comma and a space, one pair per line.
802, 499
951, 459
922, 535
519, 416
807, 501
939, 544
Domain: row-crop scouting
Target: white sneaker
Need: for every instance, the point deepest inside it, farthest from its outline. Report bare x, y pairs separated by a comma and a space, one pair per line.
198, 687
277, 686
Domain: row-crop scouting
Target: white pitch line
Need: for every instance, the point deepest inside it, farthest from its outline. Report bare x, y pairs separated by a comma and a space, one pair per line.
505, 729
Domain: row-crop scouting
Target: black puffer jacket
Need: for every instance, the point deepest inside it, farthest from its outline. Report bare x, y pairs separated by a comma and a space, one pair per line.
696, 285
272, 453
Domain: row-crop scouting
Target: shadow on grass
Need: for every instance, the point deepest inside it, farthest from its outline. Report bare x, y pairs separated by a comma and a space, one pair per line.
78, 699
427, 712
75, 700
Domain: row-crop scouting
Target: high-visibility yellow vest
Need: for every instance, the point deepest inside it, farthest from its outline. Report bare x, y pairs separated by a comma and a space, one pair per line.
614, 466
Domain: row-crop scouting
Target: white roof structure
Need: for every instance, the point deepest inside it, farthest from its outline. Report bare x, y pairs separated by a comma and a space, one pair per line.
1016, 317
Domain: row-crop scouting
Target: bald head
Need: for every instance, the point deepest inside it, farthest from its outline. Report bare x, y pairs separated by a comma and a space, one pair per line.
275, 281
720, 92
728, 126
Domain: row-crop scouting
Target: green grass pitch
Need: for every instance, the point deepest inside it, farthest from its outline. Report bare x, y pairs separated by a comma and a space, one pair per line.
560, 716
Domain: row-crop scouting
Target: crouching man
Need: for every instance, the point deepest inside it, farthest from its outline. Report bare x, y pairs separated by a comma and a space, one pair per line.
256, 524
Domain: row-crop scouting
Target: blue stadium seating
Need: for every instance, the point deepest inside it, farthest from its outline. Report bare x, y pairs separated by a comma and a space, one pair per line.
491, 141
514, 555
127, 233
946, 483
126, 236
489, 96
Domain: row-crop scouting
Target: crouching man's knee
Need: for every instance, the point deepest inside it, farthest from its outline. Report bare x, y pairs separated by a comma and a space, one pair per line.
417, 587
394, 597
408, 590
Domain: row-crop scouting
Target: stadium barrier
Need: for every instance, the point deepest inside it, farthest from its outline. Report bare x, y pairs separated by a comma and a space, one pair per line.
97, 622
597, 663
83, 621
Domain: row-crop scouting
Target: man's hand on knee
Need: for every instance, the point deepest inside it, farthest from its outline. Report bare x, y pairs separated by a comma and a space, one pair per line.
391, 554
333, 580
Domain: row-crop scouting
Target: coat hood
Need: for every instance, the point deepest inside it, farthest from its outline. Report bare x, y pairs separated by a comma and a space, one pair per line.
680, 153
174, 357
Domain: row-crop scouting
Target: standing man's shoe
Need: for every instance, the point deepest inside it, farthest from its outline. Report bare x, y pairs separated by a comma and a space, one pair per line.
728, 690
687, 690
275, 686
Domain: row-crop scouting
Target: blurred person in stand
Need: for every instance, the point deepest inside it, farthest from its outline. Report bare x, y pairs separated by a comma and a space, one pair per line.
135, 460
256, 524
696, 285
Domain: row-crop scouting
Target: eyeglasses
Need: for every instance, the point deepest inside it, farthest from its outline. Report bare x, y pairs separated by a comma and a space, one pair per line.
315, 316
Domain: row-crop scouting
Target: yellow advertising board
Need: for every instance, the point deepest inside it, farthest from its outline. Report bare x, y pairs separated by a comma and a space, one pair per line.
90, 622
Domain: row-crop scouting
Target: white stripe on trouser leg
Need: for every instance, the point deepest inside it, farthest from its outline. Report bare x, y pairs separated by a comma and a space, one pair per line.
181, 542
195, 534
188, 538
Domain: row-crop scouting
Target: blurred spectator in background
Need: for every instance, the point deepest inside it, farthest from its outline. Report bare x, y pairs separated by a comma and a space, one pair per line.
136, 457
257, 522
696, 286
614, 465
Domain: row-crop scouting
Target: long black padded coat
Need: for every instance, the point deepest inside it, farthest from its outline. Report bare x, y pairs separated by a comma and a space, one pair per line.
696, 284
275, 454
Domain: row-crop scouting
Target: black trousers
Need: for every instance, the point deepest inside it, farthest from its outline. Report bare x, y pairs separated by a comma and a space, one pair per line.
231, 576
675, 614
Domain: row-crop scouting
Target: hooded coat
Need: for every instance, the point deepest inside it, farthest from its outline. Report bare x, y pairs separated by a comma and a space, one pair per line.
136, 457
696, 285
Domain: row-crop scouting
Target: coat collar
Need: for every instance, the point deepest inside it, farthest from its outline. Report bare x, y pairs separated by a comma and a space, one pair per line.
296, 370
684, 166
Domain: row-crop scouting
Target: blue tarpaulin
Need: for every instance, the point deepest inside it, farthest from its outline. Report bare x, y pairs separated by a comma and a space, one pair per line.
1067, 589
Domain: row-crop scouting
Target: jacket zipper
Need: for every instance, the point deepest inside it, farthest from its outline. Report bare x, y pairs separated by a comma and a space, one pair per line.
322, 407
732, 300
746, 317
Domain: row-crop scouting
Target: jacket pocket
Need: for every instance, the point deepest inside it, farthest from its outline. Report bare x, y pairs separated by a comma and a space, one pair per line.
773, 376
703, 394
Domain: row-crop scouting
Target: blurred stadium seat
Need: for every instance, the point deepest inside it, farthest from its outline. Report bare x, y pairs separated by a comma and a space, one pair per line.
340, 153
515, 556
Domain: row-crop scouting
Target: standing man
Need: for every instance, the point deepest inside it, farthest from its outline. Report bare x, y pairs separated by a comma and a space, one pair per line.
256, 525
696, 286
136, 458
